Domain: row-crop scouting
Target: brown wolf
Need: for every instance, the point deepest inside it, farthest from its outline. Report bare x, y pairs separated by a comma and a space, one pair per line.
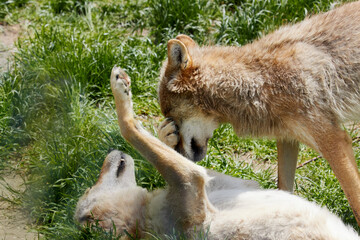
297, 84
216, 205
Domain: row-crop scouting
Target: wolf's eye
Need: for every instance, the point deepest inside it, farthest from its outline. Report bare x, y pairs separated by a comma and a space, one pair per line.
120, 167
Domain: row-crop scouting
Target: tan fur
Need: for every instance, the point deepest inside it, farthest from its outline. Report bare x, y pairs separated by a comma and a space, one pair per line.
196, 201
298, 84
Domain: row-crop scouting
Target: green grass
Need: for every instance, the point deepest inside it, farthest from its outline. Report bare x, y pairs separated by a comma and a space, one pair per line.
243, 21
170, 18
8, 7
56, 108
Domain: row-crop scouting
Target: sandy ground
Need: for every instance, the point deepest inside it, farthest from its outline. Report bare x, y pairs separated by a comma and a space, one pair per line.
13, 223
8, 35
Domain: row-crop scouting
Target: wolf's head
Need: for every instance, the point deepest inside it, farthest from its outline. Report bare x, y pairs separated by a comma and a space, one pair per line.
180, 98
115, 198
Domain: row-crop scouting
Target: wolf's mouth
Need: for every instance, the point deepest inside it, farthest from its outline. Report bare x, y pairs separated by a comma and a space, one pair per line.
121, 165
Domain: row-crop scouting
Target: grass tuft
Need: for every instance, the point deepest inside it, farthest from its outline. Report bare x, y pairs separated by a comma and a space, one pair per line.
169, 18
244, 21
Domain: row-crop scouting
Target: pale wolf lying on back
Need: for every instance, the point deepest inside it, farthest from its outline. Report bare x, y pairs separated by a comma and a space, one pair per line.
297, 84
218, 206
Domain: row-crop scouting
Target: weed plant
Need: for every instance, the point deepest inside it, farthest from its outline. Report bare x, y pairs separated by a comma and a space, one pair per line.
56, 107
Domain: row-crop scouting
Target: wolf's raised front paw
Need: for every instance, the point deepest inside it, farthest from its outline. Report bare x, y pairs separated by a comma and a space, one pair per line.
169, 133
120, 83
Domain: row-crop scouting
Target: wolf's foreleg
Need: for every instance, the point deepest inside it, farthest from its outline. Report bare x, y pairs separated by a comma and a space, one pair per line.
186, 180
287, 158
173, 166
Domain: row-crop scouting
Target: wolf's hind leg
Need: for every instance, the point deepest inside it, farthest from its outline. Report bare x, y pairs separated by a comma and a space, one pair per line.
287, 158
335, 145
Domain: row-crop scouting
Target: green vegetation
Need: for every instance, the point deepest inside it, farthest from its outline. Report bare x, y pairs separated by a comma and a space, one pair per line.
57, 114
8, 7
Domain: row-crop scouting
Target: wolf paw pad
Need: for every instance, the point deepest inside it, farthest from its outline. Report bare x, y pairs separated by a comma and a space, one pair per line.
120, 83
169, 133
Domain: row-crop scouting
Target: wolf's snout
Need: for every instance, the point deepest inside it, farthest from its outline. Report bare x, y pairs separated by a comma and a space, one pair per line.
198, 150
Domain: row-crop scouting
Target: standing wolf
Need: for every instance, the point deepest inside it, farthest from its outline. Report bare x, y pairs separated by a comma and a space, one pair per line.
298, 84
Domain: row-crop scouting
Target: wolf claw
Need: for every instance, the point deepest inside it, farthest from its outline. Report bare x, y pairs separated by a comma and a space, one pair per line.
169, 133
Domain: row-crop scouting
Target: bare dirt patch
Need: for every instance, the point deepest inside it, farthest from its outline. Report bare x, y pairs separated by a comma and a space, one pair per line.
13, 223
8, 36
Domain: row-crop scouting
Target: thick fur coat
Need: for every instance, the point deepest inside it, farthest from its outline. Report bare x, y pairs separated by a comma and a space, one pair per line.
197, 202
297, 84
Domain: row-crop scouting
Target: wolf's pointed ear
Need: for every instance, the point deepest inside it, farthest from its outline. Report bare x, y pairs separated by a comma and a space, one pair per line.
188, 41
178, 55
